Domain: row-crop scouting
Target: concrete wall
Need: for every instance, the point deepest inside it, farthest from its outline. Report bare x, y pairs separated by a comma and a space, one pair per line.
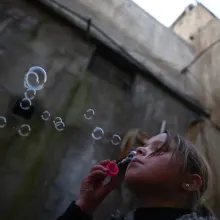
191, 22
148, 41
41, 174
207, 36
205, 71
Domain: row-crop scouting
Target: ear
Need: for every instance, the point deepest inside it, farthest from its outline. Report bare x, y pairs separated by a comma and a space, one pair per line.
192, 183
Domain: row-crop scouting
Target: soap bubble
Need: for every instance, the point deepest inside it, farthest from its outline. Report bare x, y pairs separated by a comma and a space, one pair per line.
60, 126
45, 115
25, 104
116, 140
57, 120
3, 121
89, 114
41, 78
25, 84
24, 130
28, 79
30, 93
97, 133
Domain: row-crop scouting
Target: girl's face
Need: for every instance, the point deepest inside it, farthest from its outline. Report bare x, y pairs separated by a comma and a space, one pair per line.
159, 172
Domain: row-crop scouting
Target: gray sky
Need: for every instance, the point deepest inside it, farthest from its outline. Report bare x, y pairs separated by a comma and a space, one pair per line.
166, 11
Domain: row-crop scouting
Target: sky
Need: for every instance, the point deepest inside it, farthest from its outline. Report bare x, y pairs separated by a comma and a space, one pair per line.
167, 11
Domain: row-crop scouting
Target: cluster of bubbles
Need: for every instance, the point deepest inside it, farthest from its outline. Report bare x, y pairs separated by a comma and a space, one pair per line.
98, 132
24, 130
59, 124
34, 81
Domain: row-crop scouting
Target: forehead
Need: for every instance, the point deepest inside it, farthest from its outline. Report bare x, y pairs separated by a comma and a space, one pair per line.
159, 138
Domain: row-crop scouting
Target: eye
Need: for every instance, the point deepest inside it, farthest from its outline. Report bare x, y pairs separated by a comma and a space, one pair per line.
161, 147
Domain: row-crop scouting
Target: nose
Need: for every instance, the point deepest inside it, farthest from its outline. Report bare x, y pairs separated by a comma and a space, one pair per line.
141, 151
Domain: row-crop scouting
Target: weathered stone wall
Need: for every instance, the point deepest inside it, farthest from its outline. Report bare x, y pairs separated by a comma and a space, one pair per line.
204, 73
144, 38
41, 174
207, 36
192, 21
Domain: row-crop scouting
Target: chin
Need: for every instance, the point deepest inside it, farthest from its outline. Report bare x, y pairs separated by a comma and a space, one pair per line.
132, 183
131, 177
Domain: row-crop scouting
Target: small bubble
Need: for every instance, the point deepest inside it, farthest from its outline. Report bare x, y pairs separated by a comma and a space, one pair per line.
97, 133
45, 115
116, 140
89, 114
60, 126
30, 93
57, 120
3, 121
25, 104
24, 130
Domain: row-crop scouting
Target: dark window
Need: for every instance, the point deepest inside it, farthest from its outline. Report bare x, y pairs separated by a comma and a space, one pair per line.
191, 38
17, 110
113, 68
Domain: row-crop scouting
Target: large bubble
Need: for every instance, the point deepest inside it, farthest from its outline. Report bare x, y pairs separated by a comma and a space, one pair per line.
40, 76
3, 121
24, 130
89, 114
97, 133
34, 79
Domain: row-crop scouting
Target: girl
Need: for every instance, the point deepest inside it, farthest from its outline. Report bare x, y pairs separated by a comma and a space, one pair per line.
167, 175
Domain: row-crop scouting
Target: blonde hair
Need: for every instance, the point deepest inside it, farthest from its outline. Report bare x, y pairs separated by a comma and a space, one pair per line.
193, 162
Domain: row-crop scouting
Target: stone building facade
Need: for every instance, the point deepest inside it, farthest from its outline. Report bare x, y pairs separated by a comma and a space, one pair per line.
192, 21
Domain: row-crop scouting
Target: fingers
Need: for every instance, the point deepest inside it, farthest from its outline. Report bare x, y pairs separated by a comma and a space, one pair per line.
97, 174
98, 167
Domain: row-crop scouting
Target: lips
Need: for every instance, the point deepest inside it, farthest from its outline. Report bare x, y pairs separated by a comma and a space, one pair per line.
136, 160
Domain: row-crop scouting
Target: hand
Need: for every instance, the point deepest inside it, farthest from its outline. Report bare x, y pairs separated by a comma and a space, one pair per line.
92, 191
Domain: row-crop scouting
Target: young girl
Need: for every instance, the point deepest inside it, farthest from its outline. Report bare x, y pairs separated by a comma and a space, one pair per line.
167, 175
